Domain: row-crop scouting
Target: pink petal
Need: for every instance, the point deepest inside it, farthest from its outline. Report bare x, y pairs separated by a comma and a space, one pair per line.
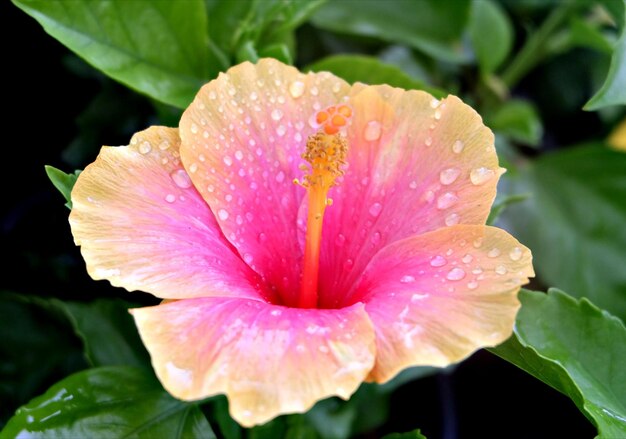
142, 225
436, 298
242, 140
415, 165
267, 359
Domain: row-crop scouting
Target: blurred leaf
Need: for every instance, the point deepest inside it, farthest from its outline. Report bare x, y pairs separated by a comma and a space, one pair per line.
415, 434
613, 92
285, 427
499, 206
247, 52
574, 223
432, 26
583, 33
37, 348
116, 401
63, 182
228, 428
576, 348
518, 120
368, 69
108, 332
278, 51
157, 47
491, 33
332, 418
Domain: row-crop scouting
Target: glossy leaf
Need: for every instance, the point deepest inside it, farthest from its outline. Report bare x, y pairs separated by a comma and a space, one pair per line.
432, 26
576, 348
157, 47
369, 70
491, 33
613, 92
574, 222
118, 401
519, 121
63, 182
108, 332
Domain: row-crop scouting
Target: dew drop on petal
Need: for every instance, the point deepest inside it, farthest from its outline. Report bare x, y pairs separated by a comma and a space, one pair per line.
452, 219
472, 285
437, 114
276, 114
434, 103
193, 167
438, 261
170, 198
449, 176
340, 240
407, 279
280, 177
247, 258
238, 155
494, 252
375, 209
372, 131
413, 184
296, 89
467, 259
456, 274
181, 179
164, 145
477, 242
428, 141
446, 200
194, 128
501, 269
376, 238
458, 146
262, 237
228, 161
481, 175
281, 130
515, 254
223, 214
145, 147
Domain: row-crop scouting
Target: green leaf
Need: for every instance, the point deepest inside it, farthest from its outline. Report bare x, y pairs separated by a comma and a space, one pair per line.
415, 434
63, 182
576, 348
518, 120
574, 223
432, 26
367, 69
116, 401
108, 332
499, 206
613, 92
491, 33
157, 47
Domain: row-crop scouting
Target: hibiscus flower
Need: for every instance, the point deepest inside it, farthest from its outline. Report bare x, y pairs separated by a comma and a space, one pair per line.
280, 294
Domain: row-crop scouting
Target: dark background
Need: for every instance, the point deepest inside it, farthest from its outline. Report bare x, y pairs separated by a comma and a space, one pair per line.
49, 100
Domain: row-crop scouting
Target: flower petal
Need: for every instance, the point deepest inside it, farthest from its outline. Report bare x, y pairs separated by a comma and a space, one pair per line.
436, 298
267, 359
142, 225
415, 164
242, 140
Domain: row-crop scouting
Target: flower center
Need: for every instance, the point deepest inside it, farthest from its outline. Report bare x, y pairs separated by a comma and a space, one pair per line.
326, 152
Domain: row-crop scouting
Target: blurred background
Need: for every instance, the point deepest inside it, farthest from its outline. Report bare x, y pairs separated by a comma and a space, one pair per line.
59, 111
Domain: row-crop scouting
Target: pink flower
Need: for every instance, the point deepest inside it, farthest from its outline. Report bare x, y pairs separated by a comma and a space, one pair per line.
260, 303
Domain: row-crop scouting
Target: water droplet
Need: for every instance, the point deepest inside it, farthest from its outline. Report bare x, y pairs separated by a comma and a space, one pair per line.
477, 270
448, 176
212, 95
417, 297
515, 254
296, 89
281, 130
254, 96
434, 103
280, 177
467, 259
238, 155
247, 258
145, 147
340, 240
428, 141
228, 161
429, 196
477, 242
375, 209
223, 214
170, 198
452, 219
314, 91
413, 184
481, 175
438, 261
164, 145
375, 238
407, 279
181, 178
456, 274
348, 265
458, 146
437, 114
194, 128
193, 168
372, 131
446, 200
472, 285
494, 252
501, 269
262, 237
276, 114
